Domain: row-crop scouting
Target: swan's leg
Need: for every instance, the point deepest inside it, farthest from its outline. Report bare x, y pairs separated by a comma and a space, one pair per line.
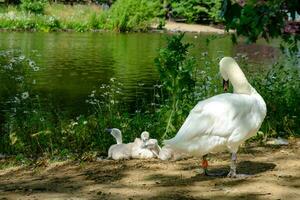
232, 173
205, 165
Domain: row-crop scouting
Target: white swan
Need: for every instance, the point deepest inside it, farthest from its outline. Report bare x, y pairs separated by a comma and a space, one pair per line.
145, 148
119, 151
167, 153
223, 121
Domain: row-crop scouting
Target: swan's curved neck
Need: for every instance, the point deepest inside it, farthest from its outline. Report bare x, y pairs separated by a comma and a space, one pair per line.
118, 136
231, 71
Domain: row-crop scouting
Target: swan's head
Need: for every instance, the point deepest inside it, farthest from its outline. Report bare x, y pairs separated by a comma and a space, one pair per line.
151, 143
223, 70
230, 71
116, 133
145, 136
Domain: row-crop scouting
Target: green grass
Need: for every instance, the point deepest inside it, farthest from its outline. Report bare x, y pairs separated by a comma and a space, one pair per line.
123, 16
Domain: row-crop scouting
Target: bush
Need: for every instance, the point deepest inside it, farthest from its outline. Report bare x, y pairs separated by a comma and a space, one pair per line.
197, 10
280, 90
176, 69
34, 6
133, 15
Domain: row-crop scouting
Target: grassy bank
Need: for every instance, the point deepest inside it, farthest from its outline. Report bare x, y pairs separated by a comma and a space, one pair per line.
122, 16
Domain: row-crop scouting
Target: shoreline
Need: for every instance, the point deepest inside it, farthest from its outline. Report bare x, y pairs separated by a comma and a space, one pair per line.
172, 27
192, 28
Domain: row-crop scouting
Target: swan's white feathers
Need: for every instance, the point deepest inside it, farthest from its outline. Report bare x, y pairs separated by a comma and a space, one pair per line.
217, 122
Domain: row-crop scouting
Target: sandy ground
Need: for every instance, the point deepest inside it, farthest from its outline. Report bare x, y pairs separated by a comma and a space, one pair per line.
197, 28
275, 175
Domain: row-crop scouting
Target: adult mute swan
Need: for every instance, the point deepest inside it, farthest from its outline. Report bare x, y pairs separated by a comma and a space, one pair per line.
223, 121
119, 151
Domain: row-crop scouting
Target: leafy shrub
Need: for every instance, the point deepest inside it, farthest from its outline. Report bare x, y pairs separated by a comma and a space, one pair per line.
280, 90
34, 6
197, 10
136, 15
176, 70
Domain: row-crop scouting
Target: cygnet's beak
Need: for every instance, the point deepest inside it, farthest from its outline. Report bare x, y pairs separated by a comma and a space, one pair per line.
225, 85
108, 130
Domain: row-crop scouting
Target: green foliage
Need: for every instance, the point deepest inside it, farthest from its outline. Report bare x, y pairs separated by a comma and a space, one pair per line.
133, 15
267, 19
197, 10
34, 6
176, 70
280, 90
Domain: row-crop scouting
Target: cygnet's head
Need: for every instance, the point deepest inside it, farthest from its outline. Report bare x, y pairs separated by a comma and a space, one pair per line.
145, 136
151, 143
115, 132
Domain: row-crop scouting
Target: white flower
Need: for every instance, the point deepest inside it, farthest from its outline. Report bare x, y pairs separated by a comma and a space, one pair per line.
74, 123
31, 64
25, 95
84, 122
36, 68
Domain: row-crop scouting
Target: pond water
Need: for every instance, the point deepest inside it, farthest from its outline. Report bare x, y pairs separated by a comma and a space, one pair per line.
71, 65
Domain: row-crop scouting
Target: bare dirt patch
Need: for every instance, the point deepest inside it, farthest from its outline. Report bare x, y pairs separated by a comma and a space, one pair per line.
275, 175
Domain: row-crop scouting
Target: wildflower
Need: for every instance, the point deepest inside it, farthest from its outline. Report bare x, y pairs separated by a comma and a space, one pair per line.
19, 78
92, 95
9, 66
25, 95
17, 100
21, 57
112, 79
74, 123
31, 64
84, 122
204, 53
36, 68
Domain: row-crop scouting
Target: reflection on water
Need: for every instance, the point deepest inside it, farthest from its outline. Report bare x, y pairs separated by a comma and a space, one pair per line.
73, 64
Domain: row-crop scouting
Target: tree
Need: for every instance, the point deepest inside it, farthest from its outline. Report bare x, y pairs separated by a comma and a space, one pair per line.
264, 18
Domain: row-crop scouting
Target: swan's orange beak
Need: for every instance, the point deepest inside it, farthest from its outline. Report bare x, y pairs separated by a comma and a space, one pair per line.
225, 85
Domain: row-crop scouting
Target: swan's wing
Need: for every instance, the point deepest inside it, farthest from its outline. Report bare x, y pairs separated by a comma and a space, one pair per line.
215, 117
